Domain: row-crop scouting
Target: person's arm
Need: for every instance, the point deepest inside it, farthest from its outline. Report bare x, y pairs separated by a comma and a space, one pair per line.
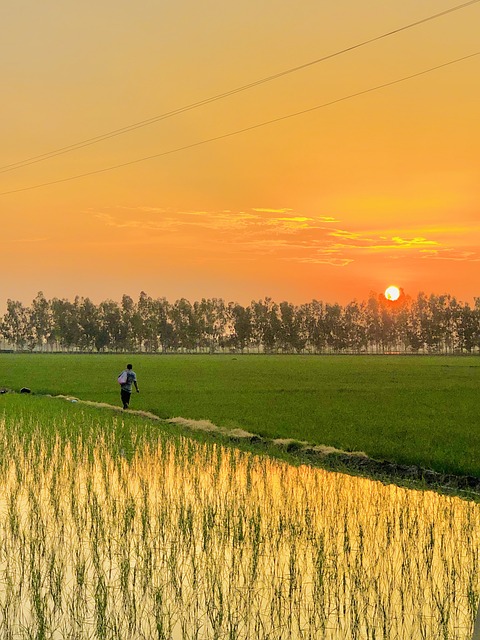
136, 386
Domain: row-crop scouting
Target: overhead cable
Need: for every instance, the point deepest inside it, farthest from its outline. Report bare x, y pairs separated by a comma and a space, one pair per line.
221, 96
246, 129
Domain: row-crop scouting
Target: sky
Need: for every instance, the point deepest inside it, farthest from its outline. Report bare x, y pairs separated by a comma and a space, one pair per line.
377, 189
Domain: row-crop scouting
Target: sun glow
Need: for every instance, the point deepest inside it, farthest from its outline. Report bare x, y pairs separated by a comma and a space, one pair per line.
392, 292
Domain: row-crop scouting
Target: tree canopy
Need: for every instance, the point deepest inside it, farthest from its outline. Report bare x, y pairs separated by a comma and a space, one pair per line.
425, 324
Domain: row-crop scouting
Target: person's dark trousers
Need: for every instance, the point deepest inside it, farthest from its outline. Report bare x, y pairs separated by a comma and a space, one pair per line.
125, 395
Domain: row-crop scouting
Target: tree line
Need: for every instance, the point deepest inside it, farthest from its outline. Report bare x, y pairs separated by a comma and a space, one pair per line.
425, 324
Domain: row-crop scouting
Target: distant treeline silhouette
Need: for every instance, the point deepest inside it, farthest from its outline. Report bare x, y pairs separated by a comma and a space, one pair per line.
425, 324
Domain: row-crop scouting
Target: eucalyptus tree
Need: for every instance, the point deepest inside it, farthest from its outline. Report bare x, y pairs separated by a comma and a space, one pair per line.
16, 327
88, 321
290, 334
315, 325
436, 329
468, 327
241, 333
413, 327
130, 335
451, 323
109, 326
210, 319
66, 329
185, 325
164, 326
374, 323
354, 326
156, 328
41, 321
388, 325
335, 329
266, 324
148, 322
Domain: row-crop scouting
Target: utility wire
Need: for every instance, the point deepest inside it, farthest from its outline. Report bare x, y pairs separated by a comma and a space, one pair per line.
220, 96
251, 128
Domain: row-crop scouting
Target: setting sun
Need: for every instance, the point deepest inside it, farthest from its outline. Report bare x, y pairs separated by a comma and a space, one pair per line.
392, 293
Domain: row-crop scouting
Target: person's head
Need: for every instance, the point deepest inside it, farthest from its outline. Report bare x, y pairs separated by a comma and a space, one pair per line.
129, 366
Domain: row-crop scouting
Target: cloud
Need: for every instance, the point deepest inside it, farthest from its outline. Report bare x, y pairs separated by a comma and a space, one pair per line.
370, 242
334, 262
259, 210
297, 219
286, 235
341, 233
451, 254
413, 242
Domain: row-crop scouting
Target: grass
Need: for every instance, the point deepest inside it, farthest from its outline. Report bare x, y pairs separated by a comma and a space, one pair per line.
411, 410
193, 540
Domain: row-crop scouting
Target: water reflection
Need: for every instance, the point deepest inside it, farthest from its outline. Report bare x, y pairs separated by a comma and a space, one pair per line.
190, 540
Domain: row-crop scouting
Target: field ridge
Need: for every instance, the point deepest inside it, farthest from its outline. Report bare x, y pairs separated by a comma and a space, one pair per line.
351, 462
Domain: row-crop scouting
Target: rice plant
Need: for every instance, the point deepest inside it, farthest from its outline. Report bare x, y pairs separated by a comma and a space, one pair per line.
190, 540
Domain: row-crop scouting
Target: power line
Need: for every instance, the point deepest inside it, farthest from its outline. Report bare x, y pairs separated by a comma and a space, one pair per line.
244, 130
169, 114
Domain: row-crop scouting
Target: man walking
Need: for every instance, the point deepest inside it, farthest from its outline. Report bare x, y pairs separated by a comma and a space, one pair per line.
126, 387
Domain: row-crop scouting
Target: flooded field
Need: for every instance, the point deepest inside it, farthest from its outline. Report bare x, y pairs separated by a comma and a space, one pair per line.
187, 540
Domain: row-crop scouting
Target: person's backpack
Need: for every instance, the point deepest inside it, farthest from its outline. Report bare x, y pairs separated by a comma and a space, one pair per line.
122, 378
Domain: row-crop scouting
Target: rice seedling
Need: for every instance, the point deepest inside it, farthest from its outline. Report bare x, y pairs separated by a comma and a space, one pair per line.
189, 540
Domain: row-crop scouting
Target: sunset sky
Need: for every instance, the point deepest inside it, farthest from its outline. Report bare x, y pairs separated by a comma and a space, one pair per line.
379, 189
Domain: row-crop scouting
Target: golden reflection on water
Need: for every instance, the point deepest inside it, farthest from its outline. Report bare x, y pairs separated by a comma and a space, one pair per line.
191, 540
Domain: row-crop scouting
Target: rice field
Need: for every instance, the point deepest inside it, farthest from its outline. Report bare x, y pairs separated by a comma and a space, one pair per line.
112, 530
409, 410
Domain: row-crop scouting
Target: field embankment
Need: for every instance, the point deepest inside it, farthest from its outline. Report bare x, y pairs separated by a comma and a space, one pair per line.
420, 411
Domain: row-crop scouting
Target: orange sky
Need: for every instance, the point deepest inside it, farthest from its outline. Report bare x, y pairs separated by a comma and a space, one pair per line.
383, 188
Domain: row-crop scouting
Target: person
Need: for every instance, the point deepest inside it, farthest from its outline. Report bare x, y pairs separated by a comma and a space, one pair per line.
126, 388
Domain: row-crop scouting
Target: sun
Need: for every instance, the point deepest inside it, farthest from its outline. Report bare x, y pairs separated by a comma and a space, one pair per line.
392, 292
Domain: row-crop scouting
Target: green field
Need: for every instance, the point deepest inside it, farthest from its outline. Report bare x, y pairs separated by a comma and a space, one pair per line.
413, 410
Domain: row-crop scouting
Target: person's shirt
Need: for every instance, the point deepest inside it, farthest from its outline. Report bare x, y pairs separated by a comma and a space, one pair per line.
131, 378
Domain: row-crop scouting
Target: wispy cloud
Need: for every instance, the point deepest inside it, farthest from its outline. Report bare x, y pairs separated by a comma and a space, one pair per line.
261, 210
451, 254
334, 262
341, 233
289, 235
413, 242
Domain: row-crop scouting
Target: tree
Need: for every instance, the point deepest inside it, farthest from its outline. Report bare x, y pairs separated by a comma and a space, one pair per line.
374, 323
242, 328
354, 327
429, 324
266, 324
148, 321
131, 325
315, 325
469, 327
66, 330
40, 319
290, 334
210, 319
109, 326
185, 328
88, 322
16, 326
